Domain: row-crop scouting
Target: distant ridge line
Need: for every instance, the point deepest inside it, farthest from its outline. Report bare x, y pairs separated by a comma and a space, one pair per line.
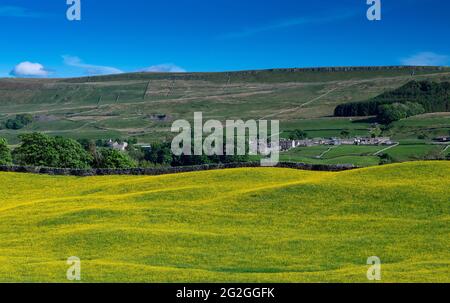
226, 75
179, 75
355, 68
293, 69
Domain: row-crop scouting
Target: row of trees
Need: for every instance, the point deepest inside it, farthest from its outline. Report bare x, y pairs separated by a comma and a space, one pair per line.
161, 154
432, 96
41, 150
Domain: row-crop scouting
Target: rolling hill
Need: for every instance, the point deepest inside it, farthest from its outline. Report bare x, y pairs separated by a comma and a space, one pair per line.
239, 225
143, 105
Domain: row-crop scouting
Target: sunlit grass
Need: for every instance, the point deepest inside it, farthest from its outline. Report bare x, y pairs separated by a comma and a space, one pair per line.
240, 225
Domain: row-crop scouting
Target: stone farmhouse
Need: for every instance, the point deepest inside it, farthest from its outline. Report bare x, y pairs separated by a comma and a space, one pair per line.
118, 146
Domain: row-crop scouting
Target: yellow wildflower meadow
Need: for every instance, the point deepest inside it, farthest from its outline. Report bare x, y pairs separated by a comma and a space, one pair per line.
238, 225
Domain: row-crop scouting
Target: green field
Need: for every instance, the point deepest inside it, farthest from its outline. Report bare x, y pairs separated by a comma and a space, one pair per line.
428, 126
144, 106
362, 156
239, 225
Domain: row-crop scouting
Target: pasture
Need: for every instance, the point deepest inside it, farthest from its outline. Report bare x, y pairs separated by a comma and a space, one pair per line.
238, 225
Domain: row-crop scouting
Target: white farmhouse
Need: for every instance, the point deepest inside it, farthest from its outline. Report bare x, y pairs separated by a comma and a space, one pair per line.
118, 146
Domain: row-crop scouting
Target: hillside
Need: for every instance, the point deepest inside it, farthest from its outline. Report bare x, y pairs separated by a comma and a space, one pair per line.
143, 105
434, 97
252, 225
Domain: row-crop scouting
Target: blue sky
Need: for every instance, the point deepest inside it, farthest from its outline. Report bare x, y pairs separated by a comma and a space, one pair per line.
216, 35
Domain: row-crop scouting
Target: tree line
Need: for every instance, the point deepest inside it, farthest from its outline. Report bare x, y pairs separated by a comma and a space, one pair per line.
38, 149
41, 150
416, 97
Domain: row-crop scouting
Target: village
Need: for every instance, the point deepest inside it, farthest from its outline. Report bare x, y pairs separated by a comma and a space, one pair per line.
286, 144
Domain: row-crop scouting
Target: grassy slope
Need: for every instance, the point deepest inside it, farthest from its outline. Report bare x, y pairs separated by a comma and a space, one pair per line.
126, 105
362, 156
232, 225
428, 125
358, 155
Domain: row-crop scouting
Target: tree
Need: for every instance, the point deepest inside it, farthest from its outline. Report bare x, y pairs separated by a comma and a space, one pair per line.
90, 146
36, 150
25, 119
85, 143
389, 113
422, 136
386, 159
42, 150
376, 131
298, 134
132, 140
345, 133
111, 158
165, 155
160, 154
5, 153
20, 121
136, 153
13, 124
71, 154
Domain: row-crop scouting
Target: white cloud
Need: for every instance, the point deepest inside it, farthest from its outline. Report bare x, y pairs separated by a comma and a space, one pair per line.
426, 59
29, 69
164, 68
90, 69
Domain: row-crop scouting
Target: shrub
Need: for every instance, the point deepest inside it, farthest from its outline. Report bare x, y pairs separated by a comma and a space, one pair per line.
422, 136
111, 158
20, 121
298, 134
5, 153
25, 119
435, 154
136, 153
345, 133
386, 159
